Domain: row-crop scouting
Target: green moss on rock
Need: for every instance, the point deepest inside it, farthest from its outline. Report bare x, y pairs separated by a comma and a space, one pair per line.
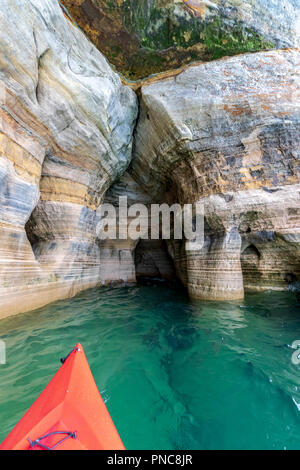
142, 37
221, 41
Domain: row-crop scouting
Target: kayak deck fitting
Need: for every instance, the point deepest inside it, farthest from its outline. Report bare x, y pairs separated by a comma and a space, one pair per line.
70, 414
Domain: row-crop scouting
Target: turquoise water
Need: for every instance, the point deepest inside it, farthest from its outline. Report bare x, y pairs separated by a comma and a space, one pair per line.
174, 374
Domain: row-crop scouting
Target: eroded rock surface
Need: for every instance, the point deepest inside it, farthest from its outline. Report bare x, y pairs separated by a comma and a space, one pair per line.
142, 37
65, 136
226, 133
130, 258
118, 255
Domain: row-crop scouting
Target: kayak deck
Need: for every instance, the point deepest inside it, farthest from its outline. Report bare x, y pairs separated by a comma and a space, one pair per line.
70, 414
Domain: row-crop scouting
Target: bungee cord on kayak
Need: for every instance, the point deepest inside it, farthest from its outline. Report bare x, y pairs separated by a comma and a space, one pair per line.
63, 359
38, 443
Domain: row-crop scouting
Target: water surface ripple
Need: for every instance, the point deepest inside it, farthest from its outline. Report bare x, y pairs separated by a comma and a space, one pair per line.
174, 374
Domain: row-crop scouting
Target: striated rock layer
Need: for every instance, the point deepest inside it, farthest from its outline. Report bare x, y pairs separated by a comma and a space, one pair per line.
65, 135
226, 133
126, 260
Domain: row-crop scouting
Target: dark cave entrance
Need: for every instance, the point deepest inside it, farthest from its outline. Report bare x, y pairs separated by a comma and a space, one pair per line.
250, 260
153, 263
30, 229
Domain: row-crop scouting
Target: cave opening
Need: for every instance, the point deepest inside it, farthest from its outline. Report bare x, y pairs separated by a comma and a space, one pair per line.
251, 253
153, 263
250, 260
30, 230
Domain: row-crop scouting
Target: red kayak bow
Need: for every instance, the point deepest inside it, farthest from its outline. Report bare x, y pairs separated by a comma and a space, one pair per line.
68, 415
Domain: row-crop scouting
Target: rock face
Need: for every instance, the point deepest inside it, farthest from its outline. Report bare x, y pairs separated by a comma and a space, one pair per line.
118, 256
226, 133
65, 135
142, 37
124, 260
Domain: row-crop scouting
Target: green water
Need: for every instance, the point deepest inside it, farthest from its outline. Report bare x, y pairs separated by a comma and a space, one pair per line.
174, 374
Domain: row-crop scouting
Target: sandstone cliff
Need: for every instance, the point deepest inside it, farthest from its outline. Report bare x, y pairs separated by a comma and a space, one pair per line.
227, 133
142, 37
66, 135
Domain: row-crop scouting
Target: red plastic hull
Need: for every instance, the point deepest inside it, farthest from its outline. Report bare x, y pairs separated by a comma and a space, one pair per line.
71, 403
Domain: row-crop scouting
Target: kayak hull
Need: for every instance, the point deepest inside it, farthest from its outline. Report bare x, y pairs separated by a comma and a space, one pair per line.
70, 414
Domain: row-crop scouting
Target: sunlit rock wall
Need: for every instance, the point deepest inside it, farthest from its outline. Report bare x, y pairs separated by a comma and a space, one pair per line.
227, 133
65, 135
